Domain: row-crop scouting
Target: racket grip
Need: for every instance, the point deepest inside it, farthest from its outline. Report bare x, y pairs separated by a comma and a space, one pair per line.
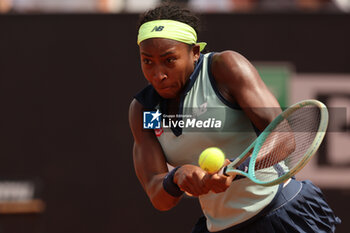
242, 167
222, 171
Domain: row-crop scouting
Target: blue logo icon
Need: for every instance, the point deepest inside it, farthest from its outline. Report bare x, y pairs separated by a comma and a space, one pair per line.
151, 120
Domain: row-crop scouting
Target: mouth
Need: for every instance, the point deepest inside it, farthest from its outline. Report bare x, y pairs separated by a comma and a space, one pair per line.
166, 88
167, 91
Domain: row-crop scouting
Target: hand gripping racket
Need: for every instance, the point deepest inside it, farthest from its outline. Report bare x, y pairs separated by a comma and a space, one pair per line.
285, 146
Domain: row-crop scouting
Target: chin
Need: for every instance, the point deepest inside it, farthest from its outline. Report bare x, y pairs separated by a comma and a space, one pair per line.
168, 95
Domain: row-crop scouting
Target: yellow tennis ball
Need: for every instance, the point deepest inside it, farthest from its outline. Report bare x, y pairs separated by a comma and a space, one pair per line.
211, 159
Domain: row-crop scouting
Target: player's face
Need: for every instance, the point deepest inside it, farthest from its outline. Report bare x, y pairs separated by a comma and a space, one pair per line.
167, 64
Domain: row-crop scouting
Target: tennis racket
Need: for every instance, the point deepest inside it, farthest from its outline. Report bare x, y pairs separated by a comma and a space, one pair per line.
285, 146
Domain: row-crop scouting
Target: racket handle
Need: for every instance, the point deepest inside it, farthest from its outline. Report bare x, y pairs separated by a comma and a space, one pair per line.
222, 171
242, 167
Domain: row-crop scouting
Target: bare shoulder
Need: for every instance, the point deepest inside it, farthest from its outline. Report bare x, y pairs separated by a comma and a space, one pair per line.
134, 109
238, 79
230, 66
135, 118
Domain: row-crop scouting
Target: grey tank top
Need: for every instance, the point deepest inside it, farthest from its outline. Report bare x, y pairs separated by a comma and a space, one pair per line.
202, 101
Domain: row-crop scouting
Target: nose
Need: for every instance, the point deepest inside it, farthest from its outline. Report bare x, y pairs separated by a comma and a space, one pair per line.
160, 75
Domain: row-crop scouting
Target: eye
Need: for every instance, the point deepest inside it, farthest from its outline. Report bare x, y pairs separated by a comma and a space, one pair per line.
147, 61
171, 60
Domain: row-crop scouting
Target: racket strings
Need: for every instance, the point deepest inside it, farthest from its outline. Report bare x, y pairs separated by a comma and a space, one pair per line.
287, 143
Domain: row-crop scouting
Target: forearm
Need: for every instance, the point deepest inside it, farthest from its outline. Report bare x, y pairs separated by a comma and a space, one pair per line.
277, 147
151, 172
159, 197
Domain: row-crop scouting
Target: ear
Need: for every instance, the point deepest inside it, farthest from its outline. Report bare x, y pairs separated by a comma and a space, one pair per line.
196, 52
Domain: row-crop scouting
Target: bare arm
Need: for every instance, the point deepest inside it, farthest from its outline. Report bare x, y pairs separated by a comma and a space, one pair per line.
149, 162
240, 83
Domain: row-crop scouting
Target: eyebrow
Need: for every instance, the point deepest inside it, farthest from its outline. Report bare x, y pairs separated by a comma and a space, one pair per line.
167, 53
162, 55
146, 54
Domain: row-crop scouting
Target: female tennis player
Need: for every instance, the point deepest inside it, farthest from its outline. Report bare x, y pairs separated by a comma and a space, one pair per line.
225, 88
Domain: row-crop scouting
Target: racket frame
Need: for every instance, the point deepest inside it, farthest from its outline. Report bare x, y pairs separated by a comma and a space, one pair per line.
230, 170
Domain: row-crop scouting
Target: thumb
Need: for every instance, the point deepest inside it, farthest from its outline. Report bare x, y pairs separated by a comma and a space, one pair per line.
221, 171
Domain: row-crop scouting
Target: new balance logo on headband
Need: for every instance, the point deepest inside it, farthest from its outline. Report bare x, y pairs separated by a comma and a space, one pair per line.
157, 28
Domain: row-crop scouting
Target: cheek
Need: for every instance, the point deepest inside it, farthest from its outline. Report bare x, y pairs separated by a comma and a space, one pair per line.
187, 70
146, 73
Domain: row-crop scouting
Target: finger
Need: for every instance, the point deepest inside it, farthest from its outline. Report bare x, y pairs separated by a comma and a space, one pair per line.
219, 183
207, 183
188, 190
200, 183
216, 178
221, 170
194, 185
224, 179
227, 162
219, 187
229, 179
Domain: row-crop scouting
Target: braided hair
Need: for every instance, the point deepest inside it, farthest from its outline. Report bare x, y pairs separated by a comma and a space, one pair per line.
171, 11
